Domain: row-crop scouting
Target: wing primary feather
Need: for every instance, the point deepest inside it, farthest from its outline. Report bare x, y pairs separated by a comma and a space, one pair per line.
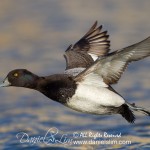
112, 66
94, 43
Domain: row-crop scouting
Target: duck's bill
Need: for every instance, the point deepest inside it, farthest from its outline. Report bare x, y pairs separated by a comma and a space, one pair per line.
5, 83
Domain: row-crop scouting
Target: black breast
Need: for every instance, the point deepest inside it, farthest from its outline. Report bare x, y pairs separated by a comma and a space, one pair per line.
57, 87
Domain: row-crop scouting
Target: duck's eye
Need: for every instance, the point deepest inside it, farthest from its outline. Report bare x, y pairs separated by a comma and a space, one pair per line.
15, 74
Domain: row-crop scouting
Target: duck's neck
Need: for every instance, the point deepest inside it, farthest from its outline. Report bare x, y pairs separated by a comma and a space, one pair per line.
31, 81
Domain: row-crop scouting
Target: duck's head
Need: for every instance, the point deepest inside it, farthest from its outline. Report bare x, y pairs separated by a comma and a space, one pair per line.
20, 78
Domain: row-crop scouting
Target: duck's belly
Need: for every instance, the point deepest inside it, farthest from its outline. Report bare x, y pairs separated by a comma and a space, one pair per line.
95, 100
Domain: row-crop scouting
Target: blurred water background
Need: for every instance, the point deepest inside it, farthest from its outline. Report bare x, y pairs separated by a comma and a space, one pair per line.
34, 35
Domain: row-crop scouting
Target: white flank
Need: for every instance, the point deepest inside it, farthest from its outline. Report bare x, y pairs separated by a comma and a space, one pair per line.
91, 99
94, 80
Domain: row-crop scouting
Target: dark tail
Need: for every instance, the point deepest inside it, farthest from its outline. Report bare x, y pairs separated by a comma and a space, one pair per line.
126, 110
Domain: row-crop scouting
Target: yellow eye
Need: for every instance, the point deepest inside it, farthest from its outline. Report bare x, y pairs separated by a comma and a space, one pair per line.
16, 74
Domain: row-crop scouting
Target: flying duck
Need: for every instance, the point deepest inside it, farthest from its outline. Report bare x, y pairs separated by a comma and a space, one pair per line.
85, 85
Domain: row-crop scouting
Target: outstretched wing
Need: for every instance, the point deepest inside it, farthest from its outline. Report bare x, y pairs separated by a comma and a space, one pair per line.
92, 45
111, 67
